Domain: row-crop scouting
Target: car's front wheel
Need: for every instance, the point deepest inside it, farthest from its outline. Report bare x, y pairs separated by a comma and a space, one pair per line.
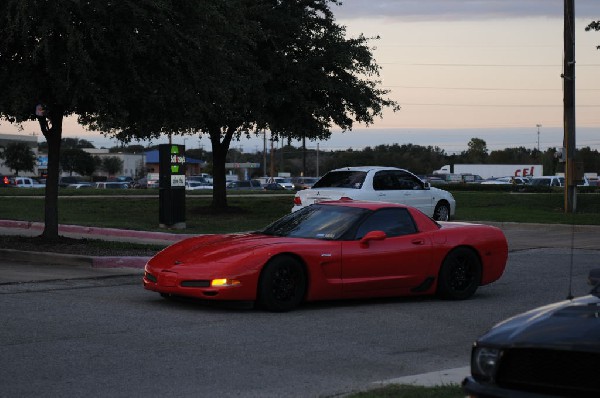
441, 212
460, 274
282, 284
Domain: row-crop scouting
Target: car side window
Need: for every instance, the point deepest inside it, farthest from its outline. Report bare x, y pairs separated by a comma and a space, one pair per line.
393, 221
407, 180
385, 181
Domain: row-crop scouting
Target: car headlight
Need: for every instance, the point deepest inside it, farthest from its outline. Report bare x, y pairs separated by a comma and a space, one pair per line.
484, 362
224, 282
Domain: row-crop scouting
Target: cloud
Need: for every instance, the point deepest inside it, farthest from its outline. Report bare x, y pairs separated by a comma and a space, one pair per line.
463, 9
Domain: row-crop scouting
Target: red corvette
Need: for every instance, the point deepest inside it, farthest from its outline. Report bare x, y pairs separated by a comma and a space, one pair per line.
334, 250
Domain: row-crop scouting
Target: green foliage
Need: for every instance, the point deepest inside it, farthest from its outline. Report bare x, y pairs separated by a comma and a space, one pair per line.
18, 156
594, 25
78, 161
112, 165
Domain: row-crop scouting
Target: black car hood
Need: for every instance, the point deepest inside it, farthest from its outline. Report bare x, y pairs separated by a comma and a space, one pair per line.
570, 325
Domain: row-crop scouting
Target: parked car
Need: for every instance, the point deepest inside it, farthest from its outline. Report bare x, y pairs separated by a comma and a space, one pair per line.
126, 179
284, 182
334, 250
26, 182
80, 185
64, 182
551, 351
201, 177
304, 182
247, 184
5, 182
273, 186
386, 184
112, 185
509, 180
548, 181
196, 185
472, 178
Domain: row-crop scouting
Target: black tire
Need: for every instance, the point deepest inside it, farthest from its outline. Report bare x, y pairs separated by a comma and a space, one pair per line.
460, 275
441, 212
282, 284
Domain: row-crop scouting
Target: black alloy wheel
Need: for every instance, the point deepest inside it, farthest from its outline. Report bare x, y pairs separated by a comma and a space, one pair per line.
282, 284
460, 275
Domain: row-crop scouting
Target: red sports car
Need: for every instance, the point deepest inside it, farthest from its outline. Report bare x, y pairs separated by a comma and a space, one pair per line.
334, 250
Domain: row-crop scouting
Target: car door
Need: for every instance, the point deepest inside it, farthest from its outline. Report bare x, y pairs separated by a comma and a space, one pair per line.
378, 267
399, 186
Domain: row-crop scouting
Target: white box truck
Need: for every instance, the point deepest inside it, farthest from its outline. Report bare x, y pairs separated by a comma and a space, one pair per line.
493, 170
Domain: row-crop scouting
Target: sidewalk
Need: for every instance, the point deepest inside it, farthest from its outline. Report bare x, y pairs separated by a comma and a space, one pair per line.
30, 266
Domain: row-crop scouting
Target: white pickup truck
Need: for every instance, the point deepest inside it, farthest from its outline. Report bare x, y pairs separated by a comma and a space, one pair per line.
26, 182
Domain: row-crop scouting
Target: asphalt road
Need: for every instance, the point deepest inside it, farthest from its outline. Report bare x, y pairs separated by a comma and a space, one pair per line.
108, 337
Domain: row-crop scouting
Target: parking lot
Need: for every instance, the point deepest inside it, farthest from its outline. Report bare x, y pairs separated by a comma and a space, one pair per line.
108, 335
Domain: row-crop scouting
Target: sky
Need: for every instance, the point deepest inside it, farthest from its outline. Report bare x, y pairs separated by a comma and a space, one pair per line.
459, 69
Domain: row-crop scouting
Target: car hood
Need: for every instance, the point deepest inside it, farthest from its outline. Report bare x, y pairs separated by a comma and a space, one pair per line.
214, 248
572, 325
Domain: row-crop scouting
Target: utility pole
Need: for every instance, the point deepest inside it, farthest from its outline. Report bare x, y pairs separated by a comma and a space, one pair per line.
538, 131
264, 153
569, 106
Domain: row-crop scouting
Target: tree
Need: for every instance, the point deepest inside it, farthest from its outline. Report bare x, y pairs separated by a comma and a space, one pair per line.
77, 161
594, 25
477, 152
127, 61
18, 156
306, 77
67, 143
112, 165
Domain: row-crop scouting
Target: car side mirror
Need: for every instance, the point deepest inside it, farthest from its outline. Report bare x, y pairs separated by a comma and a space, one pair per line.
372, 235
426, 185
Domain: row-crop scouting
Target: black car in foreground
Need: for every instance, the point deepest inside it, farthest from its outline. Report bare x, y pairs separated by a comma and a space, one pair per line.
551, 351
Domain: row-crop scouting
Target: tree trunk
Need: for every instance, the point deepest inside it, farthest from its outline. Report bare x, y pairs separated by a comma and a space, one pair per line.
219, 151
53, 137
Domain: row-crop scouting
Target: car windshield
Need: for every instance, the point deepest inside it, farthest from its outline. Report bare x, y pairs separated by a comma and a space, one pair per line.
342, 179
316, 222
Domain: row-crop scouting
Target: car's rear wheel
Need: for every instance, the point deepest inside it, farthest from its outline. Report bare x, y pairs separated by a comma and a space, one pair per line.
460, 275
282, 284
441, 212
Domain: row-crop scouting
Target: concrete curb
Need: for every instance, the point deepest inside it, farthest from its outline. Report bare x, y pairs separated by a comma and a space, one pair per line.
95, 231
439, 378
74, 259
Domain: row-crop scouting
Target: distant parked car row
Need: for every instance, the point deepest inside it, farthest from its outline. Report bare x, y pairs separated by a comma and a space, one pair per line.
20, 182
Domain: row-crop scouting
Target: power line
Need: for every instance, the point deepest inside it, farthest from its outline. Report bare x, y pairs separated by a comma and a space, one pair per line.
494, 105
487, 65
483, 88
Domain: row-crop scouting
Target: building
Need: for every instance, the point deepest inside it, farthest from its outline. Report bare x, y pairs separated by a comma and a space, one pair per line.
133, 163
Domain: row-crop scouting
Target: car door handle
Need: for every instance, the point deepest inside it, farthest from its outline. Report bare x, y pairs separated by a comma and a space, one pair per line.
418, 241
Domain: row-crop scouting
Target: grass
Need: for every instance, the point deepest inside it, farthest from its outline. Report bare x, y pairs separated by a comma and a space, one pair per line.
132, 210
410, 391
526, 207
